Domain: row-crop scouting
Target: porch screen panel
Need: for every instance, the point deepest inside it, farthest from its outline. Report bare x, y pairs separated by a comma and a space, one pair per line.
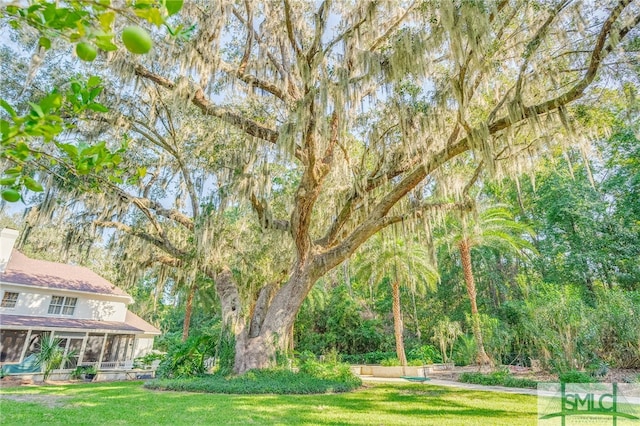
74, 349
34, 342
11, 344
112, 343
92, 350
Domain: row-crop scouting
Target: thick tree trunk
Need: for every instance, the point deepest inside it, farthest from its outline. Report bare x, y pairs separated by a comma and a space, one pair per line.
187, 314
271, 322
465, 255
397, 323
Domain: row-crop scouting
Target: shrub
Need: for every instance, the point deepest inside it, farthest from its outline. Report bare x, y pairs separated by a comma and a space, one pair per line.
574, 376
425, 354
145, 362
390, 362
368, 358
598, 368
497, 378
464, 351
329, 369
81, 370
187, 359
274, 381
77, 373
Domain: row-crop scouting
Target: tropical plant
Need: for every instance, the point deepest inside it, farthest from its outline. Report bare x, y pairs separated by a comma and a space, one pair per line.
465, 350
399, 261
186, 359
426, 354
445, 333
492, 227
51, 355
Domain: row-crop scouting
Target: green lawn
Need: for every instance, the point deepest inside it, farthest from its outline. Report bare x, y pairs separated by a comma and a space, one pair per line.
129, 403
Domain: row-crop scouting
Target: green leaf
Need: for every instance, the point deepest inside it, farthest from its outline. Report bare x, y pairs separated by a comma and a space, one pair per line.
69, 149
152, 15
106, 20
94, 92
8, 108
104, 43
32, 184
13, 171
37, 109
51, 102
10, 195
94, 106
10, 180
94, 81
173, 6
5, 129
142, 171
44, 42
21, 150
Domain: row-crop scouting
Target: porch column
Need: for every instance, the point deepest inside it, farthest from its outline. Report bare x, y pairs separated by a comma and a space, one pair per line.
134, 346
25, 346
83, 348
129, 352
66, 352
104, 343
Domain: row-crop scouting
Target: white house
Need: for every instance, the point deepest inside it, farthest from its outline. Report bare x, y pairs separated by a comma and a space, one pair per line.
87, 312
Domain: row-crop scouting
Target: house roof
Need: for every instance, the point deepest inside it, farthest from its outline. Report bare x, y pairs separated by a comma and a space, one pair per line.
41, 273
133, 324
137, 322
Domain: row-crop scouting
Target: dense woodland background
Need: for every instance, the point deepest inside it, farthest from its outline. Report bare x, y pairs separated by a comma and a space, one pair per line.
571, 300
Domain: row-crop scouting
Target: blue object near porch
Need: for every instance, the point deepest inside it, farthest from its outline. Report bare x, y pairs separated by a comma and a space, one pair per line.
28, 365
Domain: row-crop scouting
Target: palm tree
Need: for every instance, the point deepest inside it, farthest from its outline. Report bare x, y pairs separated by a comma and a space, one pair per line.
401, 262
495, 228
51, 355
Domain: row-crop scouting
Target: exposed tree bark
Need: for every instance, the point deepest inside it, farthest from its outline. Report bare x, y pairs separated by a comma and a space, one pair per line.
398, 328
465, 254
187, 313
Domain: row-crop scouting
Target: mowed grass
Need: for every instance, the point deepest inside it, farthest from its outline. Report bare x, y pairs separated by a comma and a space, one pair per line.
120, 403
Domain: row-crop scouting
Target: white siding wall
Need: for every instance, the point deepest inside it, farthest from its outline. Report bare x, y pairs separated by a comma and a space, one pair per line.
35, 301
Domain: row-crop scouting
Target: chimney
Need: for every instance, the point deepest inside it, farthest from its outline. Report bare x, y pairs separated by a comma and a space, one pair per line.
7, 239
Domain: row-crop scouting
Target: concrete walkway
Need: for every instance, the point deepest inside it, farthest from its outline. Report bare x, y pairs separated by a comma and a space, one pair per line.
453, 384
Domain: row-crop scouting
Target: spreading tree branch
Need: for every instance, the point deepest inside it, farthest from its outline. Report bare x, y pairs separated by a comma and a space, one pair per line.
247, 125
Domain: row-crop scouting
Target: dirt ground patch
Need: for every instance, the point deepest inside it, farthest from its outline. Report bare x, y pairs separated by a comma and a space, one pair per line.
50, 401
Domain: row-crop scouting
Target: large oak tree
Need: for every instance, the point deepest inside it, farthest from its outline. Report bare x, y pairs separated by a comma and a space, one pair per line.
375, 113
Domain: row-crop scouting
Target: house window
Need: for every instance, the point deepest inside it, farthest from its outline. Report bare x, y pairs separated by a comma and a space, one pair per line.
9, 299
62, 305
